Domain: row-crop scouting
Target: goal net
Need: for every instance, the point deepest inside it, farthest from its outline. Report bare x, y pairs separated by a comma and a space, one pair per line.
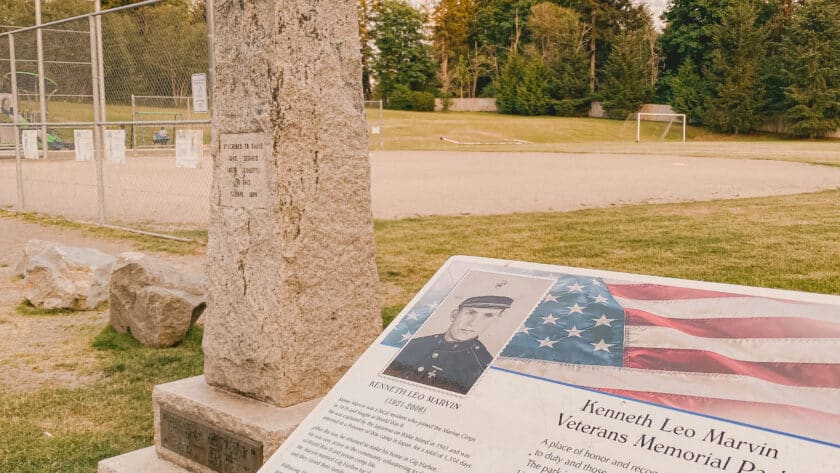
660, 127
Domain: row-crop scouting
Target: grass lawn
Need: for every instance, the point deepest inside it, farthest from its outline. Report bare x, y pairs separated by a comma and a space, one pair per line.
496, 132
423, 131
790, 242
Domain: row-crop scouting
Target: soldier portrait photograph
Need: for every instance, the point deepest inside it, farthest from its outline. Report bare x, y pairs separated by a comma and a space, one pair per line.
463, 335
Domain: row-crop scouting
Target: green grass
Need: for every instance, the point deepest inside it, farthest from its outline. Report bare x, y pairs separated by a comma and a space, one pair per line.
423, 130
788, 242
70, 430
26, 308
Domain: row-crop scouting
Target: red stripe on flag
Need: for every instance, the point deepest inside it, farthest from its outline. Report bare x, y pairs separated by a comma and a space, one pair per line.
731, 327
798, 420
655, 292
819, 375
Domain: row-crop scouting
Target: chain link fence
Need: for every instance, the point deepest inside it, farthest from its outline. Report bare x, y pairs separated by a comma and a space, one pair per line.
104, 117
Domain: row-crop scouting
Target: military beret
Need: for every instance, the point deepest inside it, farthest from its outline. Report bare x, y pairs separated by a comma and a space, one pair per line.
487, 302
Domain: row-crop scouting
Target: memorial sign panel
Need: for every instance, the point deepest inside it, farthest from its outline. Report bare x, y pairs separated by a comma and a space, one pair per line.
244, 183
502, 366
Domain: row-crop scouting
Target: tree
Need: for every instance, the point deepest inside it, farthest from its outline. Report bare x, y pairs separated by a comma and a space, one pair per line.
688, 32
453, 22
524, 87
607, 18
690, 92
365, 43
627, 76
812, 68
738, 46
404, 56
559, 39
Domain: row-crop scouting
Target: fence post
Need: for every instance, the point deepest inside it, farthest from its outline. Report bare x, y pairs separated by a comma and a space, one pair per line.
133, 126
15, 112
97, 119
211, 65
103, 114
42, 95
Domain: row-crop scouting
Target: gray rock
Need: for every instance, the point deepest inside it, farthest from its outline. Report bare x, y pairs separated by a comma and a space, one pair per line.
65, 277
32, 247
154, 302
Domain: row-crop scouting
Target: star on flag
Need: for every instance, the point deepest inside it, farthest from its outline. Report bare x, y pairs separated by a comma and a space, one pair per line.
602, 346
603, 321
550, 319
574, 332
576, 288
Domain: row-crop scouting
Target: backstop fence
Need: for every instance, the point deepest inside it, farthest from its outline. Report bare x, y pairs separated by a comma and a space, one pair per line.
105, 116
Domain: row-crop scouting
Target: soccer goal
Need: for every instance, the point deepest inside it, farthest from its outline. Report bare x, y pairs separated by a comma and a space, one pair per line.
667, 118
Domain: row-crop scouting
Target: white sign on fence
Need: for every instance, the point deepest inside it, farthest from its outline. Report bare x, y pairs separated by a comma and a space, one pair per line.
189, 147
83, 144
115, 146
199, 92
29, 139
504, 366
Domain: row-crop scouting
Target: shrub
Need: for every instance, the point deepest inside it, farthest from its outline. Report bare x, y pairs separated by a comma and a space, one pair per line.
403, 98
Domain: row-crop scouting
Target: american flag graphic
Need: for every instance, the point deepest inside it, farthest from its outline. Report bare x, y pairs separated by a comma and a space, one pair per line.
767, 362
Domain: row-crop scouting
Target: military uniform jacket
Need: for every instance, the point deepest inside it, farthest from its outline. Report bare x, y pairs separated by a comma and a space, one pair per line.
435, 362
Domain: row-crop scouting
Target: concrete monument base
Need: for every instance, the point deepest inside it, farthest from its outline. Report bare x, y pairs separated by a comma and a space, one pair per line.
139, 461
203, 429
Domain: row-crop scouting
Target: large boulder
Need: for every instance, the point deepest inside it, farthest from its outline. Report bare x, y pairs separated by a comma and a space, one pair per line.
64, 277
153, 301
32, 248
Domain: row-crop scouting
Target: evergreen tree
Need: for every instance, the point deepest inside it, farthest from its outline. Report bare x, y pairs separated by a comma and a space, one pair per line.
690, 92
738, 47
685, 42
404, 54
627, 81
607, 19
812, 69
559, 40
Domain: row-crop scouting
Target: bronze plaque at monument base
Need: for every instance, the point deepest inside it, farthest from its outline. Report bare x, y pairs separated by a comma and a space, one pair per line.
217, 449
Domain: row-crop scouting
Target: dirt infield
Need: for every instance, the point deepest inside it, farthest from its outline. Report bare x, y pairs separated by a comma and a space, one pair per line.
411, 183
442, 183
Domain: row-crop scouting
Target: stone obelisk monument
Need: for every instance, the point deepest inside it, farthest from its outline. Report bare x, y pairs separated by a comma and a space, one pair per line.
290, 261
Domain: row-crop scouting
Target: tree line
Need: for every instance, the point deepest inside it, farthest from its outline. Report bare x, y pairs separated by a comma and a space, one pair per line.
732, 65
151, 50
